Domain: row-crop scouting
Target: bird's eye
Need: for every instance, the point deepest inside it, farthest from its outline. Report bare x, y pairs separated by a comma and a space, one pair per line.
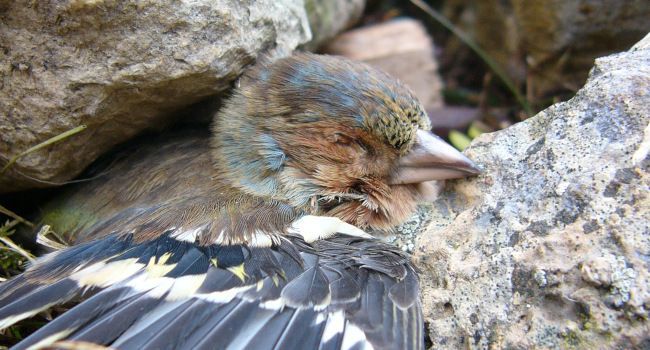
364, 147
345, 140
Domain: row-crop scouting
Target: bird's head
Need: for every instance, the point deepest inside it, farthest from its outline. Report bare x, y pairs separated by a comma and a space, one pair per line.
333, 137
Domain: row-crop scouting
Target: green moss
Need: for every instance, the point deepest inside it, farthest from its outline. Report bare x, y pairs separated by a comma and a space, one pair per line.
11, 263
572, 339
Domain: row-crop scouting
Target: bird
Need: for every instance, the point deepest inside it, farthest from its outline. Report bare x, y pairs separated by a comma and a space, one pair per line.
253, 234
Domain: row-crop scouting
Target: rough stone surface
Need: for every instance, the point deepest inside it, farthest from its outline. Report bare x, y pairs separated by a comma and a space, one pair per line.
550, 45
405, 235
550, 246
123, 66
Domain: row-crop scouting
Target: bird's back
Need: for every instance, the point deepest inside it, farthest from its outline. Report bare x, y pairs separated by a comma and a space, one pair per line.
171, 169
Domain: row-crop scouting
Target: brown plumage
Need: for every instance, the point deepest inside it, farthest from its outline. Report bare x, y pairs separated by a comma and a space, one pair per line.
250, 221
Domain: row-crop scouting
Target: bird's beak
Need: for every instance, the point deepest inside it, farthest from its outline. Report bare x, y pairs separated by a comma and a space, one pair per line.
431, 158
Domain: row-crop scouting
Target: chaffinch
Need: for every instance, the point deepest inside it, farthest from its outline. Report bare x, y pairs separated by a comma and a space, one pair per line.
253, 237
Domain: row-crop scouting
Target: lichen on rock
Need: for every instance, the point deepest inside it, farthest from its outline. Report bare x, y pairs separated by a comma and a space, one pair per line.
549, 246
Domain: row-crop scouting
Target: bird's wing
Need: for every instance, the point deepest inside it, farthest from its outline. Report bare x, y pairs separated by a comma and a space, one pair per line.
339, 293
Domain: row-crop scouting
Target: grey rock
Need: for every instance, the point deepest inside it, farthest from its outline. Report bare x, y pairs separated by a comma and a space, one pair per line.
121, 67
550, 246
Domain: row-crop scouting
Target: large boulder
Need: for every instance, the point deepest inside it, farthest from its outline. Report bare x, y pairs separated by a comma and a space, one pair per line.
550, 246
119, 67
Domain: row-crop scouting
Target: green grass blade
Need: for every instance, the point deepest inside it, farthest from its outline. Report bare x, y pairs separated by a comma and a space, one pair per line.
43, 144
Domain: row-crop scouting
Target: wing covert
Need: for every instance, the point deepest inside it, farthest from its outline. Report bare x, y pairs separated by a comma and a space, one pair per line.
167, 293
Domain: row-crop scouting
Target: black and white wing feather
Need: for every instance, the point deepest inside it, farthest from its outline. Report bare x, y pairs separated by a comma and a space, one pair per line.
164, 293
